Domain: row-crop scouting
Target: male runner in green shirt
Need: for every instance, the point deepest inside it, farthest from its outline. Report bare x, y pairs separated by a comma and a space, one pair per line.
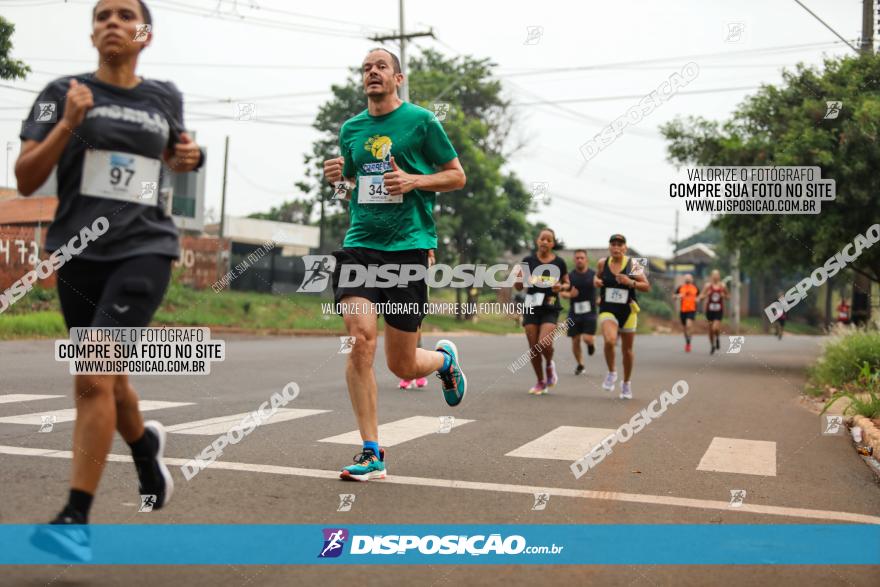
395, 157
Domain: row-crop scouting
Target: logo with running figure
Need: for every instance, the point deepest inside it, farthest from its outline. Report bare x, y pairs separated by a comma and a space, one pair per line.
319, 268
832, 425
334, 542
46, 112
832, 109
541, 501
736, 344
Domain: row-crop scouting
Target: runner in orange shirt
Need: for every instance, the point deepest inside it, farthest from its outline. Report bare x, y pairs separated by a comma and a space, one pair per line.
687, 294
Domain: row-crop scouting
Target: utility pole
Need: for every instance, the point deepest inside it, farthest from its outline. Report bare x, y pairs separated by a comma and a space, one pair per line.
675, 251
223, 193
735, 286
402, 38
8, 151
867, 44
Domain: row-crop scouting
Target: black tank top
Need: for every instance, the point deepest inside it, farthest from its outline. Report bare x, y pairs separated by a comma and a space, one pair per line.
609, 281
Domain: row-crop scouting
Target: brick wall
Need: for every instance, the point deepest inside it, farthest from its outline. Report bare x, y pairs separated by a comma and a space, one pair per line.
19, 250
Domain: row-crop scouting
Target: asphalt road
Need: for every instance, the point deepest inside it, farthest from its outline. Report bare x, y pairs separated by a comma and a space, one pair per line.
789, 470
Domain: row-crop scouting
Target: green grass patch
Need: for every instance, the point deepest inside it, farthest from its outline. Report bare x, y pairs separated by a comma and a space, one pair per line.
843, 360
42, 324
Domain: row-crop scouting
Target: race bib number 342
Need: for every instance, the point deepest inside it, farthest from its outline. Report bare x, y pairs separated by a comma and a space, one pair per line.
371, 190
120, 176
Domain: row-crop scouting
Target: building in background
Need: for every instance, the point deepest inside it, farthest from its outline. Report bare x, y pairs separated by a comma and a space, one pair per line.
278, 248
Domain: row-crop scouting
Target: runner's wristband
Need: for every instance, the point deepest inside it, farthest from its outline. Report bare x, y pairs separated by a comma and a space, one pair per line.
202, 156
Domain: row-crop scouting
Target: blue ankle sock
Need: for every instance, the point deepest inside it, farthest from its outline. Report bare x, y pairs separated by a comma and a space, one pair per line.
447, 361
372, 445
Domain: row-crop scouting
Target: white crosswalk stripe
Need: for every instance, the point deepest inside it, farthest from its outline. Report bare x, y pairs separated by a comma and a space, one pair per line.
14, 398
400, 431
565, 443
69, 415
215, 426
736, 455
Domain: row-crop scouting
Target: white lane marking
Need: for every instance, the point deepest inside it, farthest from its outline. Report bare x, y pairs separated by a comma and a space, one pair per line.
69, 415
398, 431
736, 455
215, 426
11, 398
665, 500
565, 443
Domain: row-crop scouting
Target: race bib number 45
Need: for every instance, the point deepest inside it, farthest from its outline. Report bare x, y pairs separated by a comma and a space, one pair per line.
120, 176
371, 190
615, 295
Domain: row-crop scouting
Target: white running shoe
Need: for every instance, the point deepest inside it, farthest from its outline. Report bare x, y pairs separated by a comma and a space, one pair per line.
610, 380
626, 391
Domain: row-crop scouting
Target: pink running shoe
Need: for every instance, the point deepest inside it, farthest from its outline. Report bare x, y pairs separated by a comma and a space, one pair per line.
540, 388
407, 384
421, 382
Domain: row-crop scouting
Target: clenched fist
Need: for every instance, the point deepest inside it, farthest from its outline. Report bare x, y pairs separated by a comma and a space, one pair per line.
399, 182
333, 169
78, 101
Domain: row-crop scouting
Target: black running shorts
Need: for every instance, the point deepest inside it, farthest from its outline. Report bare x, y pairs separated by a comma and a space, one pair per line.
685, 316
582, 324
540, 316
712, 316
402, 307
122, 293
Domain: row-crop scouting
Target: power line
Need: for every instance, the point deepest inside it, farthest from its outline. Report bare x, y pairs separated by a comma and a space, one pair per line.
765, 50
634, 96
826, 25
255, 21
201, 64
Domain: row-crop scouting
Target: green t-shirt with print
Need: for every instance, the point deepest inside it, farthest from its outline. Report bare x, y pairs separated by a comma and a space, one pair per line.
418, 143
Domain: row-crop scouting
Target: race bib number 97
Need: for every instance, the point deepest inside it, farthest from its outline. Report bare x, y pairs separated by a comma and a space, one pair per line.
371, 190
120, 176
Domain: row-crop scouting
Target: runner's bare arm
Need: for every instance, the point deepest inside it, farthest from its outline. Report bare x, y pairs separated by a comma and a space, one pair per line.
638, 282
186, 155
518, 284
38, 158
600, 267
450, 178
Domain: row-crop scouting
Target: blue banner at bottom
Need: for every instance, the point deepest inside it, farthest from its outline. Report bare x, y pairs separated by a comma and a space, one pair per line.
207, 544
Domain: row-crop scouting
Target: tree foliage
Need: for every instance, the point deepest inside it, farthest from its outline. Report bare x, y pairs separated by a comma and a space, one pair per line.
786, 125
9, 68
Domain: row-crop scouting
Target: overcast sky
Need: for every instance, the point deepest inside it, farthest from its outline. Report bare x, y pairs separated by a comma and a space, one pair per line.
283, 56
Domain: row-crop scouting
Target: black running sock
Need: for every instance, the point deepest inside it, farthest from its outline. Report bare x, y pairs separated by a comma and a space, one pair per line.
144, 447
80, 502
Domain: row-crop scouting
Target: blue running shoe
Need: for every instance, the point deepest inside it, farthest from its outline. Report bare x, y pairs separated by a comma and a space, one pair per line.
366, 466
454, 381
67, 537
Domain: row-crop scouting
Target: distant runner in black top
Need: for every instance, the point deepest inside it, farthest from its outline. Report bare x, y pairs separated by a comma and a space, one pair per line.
109, 132
547, 279
618, 309
582, 313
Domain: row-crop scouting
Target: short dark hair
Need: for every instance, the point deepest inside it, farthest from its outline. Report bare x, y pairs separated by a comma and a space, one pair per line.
576, 251
395, 62
145, 12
